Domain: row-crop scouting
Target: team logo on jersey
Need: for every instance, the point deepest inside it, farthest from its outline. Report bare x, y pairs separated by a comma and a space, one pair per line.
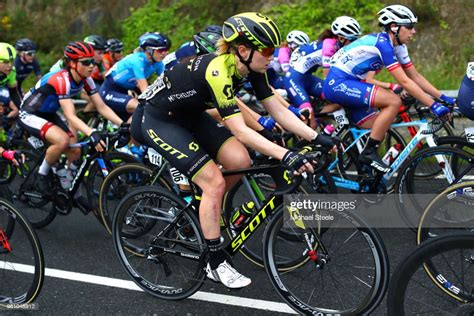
228, 92
193, 146
215, 73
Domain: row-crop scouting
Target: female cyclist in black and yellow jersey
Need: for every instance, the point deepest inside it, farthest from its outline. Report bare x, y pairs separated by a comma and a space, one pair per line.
171, 118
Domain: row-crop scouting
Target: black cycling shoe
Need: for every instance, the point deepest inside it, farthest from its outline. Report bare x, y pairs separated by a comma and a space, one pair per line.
43, 184
370, 158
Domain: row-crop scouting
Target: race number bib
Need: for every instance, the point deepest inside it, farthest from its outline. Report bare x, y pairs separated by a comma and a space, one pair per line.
35, 142
154, 157
470, 134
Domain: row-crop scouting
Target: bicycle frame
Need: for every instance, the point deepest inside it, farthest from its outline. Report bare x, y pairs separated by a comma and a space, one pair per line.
423, 133
284, 185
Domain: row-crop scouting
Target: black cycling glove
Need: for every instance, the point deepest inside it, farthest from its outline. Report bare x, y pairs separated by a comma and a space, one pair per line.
326, 141
124, 132
95, 138
293, 160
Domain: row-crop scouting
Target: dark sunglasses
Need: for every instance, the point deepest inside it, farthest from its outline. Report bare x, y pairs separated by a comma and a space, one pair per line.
87, 62
30, 53
267, 51
410, 26
162, 50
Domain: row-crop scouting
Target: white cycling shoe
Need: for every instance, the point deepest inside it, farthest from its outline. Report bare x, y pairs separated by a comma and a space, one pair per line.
228, 276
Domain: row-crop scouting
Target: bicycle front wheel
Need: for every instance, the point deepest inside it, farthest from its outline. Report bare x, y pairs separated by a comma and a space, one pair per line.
21, 258
159, 244
346, 272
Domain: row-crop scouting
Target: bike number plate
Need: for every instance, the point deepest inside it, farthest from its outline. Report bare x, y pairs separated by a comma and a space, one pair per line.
154, 157
470, 134
178, 177
35, 142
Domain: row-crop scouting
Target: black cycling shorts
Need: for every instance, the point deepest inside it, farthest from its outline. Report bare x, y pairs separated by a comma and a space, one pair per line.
188, 143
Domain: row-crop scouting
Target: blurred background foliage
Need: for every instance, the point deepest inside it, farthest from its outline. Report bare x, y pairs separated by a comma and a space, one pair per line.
443, 46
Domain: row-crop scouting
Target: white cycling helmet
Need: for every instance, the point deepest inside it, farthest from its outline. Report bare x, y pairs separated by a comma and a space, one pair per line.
297, 38
470, 71
347, 27
398, 14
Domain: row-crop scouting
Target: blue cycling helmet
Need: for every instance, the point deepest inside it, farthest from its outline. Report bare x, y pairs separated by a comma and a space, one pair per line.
24, 45
154, 41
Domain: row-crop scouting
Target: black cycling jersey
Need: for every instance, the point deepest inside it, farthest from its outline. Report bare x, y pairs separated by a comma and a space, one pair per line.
173, 120
205, 82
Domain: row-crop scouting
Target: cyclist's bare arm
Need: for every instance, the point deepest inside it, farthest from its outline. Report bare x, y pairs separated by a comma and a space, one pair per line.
422, 82
287, 119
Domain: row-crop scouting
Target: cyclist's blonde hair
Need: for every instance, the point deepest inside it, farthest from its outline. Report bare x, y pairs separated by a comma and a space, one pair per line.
223, 47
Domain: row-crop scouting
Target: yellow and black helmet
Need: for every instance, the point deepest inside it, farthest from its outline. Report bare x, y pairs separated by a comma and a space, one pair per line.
253, 29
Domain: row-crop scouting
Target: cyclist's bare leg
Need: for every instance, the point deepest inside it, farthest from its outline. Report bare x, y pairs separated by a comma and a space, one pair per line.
330, 107
131, 105
212, 184
233, 155
389, 104
59, 141
73, 154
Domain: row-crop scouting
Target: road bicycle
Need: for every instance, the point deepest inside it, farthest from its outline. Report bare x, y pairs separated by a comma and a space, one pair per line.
160, 245
41, 209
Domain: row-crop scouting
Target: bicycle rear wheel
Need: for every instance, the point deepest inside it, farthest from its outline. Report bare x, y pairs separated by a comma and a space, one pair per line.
95, 176
414, 292
21, 258
348, 276
164, 255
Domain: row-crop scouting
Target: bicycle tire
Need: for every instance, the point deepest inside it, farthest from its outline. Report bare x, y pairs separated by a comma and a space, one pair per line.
94, 177
408, 271
118, 183
448, 212
141, 250
16, 237
407, 184
292, 285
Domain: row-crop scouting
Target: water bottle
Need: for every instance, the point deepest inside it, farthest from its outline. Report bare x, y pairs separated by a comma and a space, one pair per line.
64, 178
329, 129
392, 154
242, 215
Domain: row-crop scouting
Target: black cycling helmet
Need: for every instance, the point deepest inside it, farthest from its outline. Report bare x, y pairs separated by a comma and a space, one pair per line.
154, 41
97, 41
214, 29
114, 45
25, 44
253, 29
206, 42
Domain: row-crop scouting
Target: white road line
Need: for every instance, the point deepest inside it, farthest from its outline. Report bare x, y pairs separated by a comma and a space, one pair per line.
129, 285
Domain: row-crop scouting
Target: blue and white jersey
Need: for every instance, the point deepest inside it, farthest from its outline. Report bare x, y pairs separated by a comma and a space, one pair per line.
307, 58
127, 71
370, 53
